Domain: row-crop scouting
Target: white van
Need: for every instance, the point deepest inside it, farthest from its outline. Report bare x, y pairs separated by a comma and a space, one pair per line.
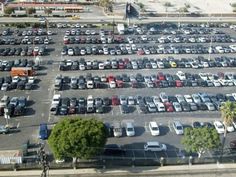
154, 146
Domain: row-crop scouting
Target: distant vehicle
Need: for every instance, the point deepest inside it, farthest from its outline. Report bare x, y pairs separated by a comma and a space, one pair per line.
22, 71
154, 129
154, 146
43, 131
219, 127
178, 127
129, 129
121, 28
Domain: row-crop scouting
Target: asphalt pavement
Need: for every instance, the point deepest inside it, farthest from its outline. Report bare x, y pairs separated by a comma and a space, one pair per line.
40, 100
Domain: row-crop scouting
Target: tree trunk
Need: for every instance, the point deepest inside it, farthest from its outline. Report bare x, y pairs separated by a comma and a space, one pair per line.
223, 144
74, 162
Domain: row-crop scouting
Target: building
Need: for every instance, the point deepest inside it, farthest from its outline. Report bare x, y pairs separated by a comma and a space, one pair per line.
65, 7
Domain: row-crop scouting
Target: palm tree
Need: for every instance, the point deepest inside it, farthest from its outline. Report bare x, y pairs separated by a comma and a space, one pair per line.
105, 4
228, 114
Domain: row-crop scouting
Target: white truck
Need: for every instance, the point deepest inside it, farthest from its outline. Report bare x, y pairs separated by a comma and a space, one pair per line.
121, 28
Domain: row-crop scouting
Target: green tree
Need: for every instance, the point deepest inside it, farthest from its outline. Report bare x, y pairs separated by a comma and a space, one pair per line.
47, 11
77, 138
200, 139
228, 115
30, 11
9, 10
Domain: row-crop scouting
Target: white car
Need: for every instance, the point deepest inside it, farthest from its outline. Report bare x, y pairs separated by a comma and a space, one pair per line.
163, 97
216, 83
203, 76
129, 128
188, 98
15, 79
181, 75
90, 99
219, 127
178, 127
160, 65
230, 128
160, 107
31, 80
154, 146
177, 107
123, 100
180, 98
210, 106
112, 84
155, 99
196, 98
131, 100
154, 128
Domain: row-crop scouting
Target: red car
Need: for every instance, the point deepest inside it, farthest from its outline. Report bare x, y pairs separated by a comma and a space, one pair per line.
134, 84
140, 52
179, 83
119, 84
115, 100
169, 107
110, 78
160, 76
121, 65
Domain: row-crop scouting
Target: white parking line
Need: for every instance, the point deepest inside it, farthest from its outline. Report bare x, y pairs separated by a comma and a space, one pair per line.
170, 127
29, 116
137, 108
28, 97
146, 127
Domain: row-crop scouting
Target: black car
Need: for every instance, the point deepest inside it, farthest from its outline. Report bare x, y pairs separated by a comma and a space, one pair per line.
125, 109
185, 106
207, 124
143, 108
28, 86
113, 149
197, 124
81, 109
109, 129
99, 109
19, 110
63, 110
106, 101
202, 106
21, 85
220, 97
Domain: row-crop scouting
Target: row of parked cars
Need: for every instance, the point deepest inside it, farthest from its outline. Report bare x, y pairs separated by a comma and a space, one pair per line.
124, 49
110, 39
21, 83
117, 129
24, 51
14, 106
180, 79
147, 63
26, 32
6, 65
25, 40
148, 104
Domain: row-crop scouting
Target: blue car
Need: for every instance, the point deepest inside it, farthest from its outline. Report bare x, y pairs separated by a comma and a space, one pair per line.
43, 131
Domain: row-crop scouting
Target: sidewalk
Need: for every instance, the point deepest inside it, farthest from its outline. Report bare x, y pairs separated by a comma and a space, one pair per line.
141, 171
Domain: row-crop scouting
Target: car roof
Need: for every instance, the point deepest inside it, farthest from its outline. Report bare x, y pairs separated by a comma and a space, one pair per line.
153, 124
153, 143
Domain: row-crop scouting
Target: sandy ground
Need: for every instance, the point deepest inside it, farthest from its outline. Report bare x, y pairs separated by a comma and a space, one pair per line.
201, 6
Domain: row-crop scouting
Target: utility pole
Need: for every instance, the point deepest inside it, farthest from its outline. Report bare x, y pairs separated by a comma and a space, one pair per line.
43, 161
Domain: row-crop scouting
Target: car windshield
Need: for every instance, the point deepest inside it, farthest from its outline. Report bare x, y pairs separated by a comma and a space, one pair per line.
155, 128
130, 129
179, 128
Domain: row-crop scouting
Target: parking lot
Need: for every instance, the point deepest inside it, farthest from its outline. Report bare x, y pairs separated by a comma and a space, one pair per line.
39, 98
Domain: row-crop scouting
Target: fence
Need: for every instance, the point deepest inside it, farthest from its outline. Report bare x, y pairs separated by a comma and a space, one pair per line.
114, 162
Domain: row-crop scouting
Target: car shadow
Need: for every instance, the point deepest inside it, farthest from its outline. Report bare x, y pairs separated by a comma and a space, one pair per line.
139, 130
164, 130
30, 102
29, 112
